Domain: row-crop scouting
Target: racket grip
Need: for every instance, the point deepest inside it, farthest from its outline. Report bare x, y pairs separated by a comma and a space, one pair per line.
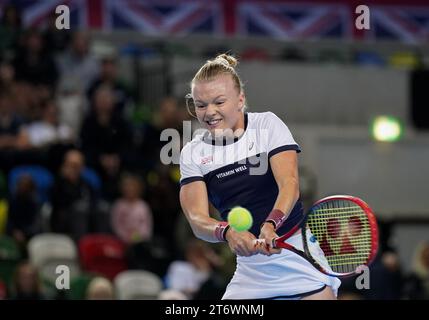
262, 241
258, 241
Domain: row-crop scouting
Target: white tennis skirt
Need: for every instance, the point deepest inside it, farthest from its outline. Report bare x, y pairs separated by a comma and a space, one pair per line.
280, 276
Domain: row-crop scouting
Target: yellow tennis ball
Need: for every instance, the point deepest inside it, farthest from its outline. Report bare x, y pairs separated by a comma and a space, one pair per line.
240, 219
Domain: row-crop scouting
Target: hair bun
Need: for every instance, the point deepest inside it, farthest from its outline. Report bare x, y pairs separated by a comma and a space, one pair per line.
227, 59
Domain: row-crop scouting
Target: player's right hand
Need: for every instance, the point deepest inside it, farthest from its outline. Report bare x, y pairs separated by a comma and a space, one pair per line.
268, 234
241, 243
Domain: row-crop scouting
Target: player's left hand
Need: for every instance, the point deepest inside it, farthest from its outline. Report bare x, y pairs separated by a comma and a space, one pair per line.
268, 233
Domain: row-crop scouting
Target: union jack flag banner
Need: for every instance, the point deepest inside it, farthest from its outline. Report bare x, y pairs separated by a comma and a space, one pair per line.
394, 20
294, 20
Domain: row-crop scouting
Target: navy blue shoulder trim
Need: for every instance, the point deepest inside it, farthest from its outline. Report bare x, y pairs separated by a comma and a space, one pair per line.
284, 148
190, 179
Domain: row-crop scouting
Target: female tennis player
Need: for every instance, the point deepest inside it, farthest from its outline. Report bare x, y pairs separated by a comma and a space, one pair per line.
249, 160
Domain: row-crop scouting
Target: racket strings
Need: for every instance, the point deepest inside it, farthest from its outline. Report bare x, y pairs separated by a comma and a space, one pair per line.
343, 232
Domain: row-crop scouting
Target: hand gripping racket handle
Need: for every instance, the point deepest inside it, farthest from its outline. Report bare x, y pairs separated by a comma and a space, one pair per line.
279, 242
262, 242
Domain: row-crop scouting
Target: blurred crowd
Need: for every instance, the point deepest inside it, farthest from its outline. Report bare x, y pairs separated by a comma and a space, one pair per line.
388, 278
75, 161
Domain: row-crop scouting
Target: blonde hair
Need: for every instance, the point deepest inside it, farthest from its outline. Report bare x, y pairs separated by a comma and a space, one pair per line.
222, 64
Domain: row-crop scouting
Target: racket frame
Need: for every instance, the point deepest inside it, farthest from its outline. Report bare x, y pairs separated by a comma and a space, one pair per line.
280, 241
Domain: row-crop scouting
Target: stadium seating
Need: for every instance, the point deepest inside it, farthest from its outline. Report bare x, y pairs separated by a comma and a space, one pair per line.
10, 256
78, 286
102, 254
137, 285
41, 176
49, 250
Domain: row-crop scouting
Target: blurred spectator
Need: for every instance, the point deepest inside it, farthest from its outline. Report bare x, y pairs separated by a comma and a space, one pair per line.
33, 64
10, 123
168, 116
29, 100
23, 219
417, 284
386, 279
105, 138
188, 276
48, 131
73, 200
109, 77
7, 76
154, 256
131, 216
56, 40
162, 197
72, 104
77, 63
26, 283
385, 283
349, 291
10, 29
100, 289
24, 97
158, 250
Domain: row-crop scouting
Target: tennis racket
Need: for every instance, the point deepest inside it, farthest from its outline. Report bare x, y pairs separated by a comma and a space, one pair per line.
345, 229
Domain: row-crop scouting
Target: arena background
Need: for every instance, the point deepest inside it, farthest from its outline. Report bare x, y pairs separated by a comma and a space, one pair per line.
108, 86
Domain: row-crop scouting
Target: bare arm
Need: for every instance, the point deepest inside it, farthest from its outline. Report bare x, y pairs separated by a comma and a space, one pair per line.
195, 205
285, 169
